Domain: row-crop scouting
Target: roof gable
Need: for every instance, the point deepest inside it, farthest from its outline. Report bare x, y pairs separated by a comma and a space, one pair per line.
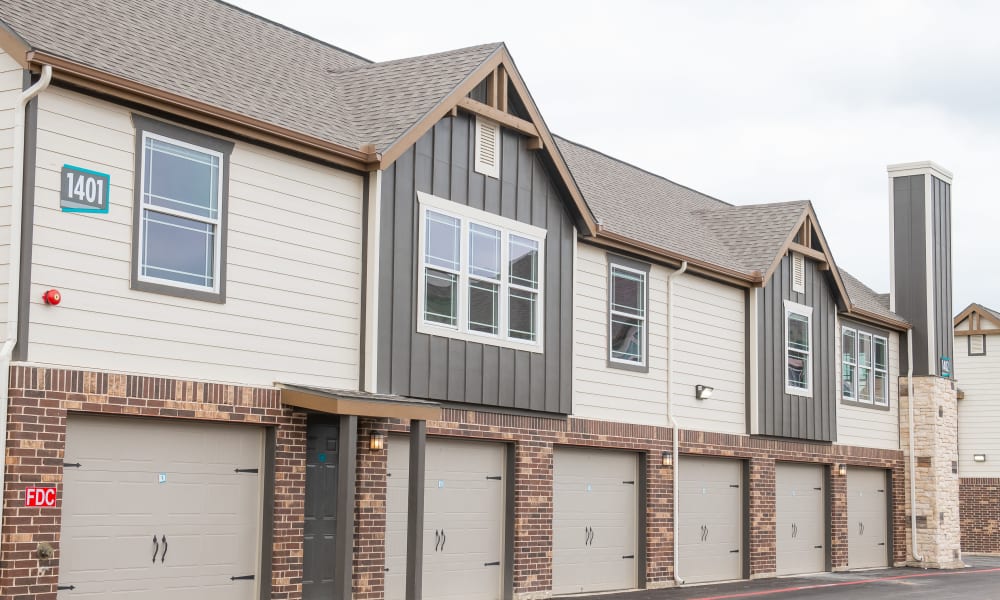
976, 319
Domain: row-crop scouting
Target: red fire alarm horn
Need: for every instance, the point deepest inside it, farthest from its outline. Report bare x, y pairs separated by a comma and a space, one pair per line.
52, 297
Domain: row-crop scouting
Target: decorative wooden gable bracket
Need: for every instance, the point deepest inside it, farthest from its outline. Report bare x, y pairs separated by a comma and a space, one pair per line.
496, 108
976, 315
803, 244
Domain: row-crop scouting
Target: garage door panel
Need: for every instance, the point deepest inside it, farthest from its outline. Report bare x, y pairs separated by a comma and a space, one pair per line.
128, 488
594, 520
710, 523
867, 510
801, 518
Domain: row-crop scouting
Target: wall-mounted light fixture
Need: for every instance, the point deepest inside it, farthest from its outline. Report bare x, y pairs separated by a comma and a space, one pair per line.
377, 440
703, 392
668, 459
979, 457
842, 469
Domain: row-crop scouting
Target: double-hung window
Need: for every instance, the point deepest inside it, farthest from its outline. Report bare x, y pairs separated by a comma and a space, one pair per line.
627, 299
864, 367
179, 222
798, 349
480, 276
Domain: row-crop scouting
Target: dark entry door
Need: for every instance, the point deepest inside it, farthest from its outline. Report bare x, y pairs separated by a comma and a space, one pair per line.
322, 447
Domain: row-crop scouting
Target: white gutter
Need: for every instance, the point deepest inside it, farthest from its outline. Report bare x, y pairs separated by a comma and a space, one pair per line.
14, 260
670, 405
913, 459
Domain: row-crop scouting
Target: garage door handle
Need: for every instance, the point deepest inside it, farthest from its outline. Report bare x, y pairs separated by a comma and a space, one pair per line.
861, 528
156, 547
164, 555
444, 539
437, 540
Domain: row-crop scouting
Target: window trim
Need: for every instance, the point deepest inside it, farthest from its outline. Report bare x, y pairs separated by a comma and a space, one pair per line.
969, 342
146, 127
871, 404
620, 262
467, 215
802, 311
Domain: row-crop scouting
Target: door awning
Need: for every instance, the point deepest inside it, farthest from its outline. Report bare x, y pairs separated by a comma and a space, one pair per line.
361, 404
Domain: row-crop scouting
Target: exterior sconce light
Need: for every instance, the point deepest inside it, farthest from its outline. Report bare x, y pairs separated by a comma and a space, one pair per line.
377, 440
668, 459
979, 457
703, 392
842, 469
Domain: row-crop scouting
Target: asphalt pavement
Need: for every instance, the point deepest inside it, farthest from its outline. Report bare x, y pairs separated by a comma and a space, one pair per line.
979, 581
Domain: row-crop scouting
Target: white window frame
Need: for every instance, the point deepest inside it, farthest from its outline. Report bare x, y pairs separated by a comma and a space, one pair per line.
612, 312
874, 368
466, 216
802, 311
143, 207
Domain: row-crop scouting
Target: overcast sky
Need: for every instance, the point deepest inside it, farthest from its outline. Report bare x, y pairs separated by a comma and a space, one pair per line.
746, 101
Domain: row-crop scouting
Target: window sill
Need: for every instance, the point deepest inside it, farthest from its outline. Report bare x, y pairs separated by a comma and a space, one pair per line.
628, 366
865, 405
798, 392
484, 339
179, 292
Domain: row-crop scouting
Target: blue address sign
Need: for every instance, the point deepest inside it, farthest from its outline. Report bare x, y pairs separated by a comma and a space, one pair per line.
83, 190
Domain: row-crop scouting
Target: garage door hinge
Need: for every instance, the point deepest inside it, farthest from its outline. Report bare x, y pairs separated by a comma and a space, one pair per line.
65, 587
881, 491
74, 465
734, 551
629, 482
629, 556
819, 489
881, 543
238, 470
241, 577
495, 563
734, 485
494, 477
817, 547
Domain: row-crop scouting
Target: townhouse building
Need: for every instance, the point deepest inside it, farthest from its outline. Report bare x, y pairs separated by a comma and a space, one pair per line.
977, 365
283, 322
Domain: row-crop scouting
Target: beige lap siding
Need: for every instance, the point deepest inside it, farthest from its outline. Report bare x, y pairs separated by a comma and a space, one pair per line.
11, 83
292, 309
979, 412
39, 402
864, 425
710, 336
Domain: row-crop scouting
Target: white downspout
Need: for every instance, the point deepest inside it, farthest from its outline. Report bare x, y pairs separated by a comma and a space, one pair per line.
14, 260
913, 459
670, 405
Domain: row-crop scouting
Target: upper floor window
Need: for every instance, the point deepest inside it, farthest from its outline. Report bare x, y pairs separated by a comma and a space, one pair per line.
180, 213
627, 300
864, 367
481, 277
798, 349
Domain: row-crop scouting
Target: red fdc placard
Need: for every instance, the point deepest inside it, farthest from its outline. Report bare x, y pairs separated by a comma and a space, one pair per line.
40, 496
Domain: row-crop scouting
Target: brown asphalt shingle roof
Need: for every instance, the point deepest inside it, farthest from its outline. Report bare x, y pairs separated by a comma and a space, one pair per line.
868, 299
218, 54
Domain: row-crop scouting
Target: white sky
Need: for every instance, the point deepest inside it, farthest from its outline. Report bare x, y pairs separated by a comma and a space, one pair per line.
746, 101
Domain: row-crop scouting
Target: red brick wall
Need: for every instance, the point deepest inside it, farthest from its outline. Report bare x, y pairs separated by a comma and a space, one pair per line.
369, 514
40, 400
979, 509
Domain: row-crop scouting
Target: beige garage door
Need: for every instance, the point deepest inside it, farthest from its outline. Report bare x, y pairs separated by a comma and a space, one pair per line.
801, 504
128, 481
867, 525
594, 507
463, 519
710, 529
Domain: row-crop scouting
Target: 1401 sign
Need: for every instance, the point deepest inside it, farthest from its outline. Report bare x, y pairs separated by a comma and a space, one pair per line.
83, 190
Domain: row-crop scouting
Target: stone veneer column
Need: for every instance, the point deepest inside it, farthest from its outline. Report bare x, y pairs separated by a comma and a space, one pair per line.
763, 519
936, 452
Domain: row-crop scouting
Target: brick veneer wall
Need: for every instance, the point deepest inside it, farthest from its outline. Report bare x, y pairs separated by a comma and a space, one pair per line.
534, 441
979, 507
41, 399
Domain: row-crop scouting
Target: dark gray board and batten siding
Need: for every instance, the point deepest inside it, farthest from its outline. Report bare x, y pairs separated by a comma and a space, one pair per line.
439, 368
786, 415
911, 271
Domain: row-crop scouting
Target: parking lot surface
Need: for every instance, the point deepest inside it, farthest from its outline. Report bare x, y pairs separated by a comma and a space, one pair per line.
979, 581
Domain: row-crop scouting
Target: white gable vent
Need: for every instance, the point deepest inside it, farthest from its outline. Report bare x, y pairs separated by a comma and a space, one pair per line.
798, 273
977, 345
487, 159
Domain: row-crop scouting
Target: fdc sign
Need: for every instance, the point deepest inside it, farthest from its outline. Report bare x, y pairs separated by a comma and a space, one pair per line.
40, 496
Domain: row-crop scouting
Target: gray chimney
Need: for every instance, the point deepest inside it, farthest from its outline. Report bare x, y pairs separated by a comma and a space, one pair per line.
920, 280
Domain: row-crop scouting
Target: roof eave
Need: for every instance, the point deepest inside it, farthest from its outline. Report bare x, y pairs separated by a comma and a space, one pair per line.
861, 314
102, 82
